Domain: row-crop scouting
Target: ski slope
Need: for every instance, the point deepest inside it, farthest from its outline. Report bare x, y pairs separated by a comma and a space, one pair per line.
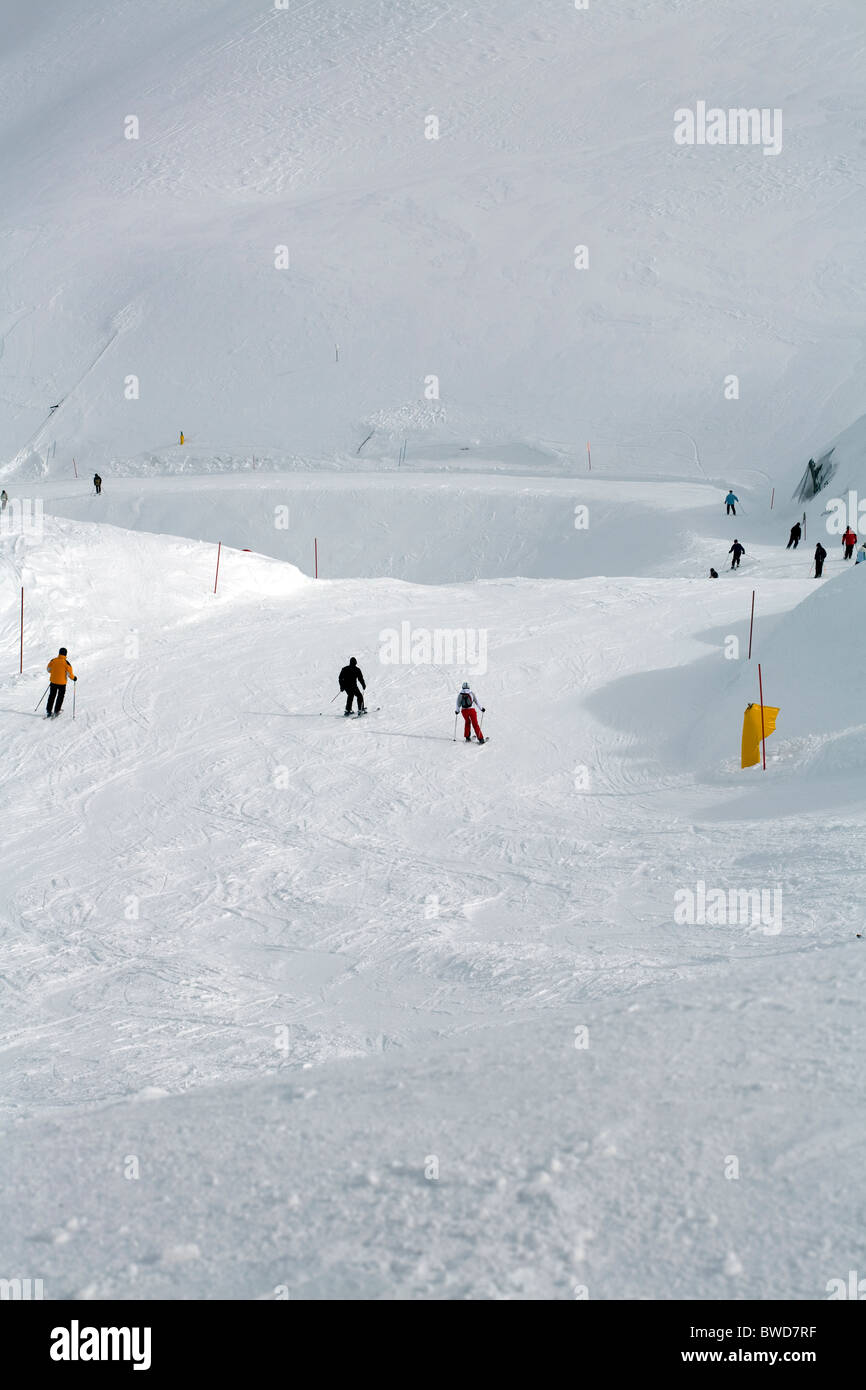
220, 897
327, 1008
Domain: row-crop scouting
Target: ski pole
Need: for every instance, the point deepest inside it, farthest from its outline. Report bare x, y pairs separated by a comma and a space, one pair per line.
74, 687
44, 693
454, 739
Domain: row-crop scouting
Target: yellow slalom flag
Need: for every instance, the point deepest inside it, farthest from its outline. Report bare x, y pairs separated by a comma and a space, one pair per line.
751, 748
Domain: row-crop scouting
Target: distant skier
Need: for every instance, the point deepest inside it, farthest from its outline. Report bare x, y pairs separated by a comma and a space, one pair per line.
467, 704
849, 540
351, 677
795, 537
713, 574
58, 669
4, 500
736, 550
731, 504
97, 483
820, 557
861, 553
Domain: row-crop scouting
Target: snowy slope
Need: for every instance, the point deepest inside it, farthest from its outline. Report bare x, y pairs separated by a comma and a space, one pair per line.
207, 882
550, 1183
427, 528
304, 128
278, 962
814, 669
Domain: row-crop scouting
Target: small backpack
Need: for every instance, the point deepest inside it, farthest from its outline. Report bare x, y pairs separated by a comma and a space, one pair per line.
465, 699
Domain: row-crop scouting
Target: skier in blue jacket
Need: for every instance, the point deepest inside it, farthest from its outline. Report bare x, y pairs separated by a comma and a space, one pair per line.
731, 504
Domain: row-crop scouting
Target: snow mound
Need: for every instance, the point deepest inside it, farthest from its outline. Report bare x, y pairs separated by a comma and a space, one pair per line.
814, 669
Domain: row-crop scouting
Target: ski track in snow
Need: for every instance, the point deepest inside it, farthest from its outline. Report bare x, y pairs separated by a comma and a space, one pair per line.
209, 882
348, 904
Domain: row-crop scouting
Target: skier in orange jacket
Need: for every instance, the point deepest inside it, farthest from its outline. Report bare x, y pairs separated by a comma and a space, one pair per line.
58, 669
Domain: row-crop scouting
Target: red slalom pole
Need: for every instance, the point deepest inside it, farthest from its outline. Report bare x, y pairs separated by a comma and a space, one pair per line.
763, 736
217, 575
75, 466
316, 554
21, 648
588, 457
751, 624
772, 495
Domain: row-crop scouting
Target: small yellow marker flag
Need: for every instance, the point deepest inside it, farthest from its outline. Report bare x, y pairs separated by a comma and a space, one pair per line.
751, 748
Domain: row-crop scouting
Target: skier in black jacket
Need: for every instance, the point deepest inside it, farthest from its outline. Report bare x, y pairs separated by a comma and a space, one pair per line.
736, 550
795, 536
820, 557
351, 677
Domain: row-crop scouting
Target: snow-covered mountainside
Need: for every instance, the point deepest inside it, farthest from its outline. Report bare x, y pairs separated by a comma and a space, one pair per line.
306, 128
350, 1008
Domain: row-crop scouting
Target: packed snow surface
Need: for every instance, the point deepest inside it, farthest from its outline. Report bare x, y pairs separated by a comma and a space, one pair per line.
300, 1005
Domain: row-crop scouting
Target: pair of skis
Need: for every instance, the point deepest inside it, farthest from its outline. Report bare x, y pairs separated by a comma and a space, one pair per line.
484, 739
55, 713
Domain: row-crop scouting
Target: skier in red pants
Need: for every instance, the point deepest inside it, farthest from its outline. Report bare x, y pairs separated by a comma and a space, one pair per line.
467, 705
